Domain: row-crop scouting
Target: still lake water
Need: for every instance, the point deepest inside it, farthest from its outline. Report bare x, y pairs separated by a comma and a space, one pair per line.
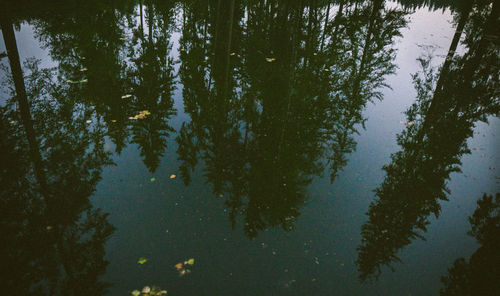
312, 148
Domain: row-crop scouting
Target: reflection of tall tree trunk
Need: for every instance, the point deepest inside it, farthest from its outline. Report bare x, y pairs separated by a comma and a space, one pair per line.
17, 75
325, 26
377, 5
451, 52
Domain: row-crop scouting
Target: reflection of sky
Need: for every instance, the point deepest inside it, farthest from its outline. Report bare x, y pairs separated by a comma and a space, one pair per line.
329, 227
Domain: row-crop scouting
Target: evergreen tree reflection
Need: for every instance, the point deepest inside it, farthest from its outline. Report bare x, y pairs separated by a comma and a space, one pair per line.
272, 88
479, 276
439, 123
55, 238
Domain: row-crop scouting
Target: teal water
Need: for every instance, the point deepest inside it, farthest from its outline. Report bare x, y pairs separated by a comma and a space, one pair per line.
289, 148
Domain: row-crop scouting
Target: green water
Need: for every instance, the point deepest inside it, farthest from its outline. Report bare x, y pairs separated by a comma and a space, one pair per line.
288, 147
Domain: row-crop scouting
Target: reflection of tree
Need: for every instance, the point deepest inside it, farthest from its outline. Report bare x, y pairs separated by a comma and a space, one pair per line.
439, 124
126, 69
271, 93
150, 76
55, 240
479, 276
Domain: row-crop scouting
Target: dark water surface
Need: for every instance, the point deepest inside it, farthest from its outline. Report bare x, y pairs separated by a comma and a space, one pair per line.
288, 147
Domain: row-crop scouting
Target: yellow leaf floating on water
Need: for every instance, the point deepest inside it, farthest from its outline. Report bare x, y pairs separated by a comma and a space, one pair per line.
113, 120
178, 266
172, 176
146, 290
136, 293
142, 260
190, 261
141, 115
83, 69
232, 54
126, 96
270, 60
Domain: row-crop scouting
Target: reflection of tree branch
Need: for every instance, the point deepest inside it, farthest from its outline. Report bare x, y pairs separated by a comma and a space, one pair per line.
431, 149
479, 276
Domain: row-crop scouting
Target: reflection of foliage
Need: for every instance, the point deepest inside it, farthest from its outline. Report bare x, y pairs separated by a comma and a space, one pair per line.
56, 240
272, 93
151, 80
439, 123
479, 276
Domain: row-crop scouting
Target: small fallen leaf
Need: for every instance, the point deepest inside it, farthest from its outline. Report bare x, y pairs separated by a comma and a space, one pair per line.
83, 69
88, 121
142, 260
270, 60
126, 96
12, 121
146, 290
183, 272
315, 53
135, 293
232, 54
124, 38
410, 123
327, 70
172, 176
152, 179
113, 120
178, 266
163, 292
190, 261
49, 227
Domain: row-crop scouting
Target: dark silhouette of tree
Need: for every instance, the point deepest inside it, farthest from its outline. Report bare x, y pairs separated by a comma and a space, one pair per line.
271, 93
54, 161
151, 80
479, 275
439, 123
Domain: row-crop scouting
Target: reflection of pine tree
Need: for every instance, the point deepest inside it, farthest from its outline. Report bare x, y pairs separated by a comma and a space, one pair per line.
439, 124
55, 239
265, 111
151, 80
479, 276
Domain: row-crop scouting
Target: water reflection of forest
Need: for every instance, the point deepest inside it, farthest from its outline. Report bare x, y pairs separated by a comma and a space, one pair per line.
274, 91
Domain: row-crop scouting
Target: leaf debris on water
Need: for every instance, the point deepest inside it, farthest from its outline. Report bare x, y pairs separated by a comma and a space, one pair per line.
126, 96
270, 60
83, 69
152, 179
142, 260
172, 176
141, 115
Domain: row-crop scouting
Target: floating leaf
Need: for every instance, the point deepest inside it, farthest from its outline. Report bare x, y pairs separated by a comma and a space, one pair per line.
152, 179
49, 227
183, 272
178, 266
113, 120
124, 38
142, 260
172, 176
232, 54
190, 261
146, 290
126, 96
141, 115
135, 293
12, 121
83, 69
327, 70
270, 60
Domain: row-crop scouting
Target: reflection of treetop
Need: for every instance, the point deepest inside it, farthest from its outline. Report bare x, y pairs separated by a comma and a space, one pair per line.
439, 122
271, 90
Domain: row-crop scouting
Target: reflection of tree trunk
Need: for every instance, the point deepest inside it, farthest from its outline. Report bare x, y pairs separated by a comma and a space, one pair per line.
377, 5
17, 75
325, 27
451, 52
142, 19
